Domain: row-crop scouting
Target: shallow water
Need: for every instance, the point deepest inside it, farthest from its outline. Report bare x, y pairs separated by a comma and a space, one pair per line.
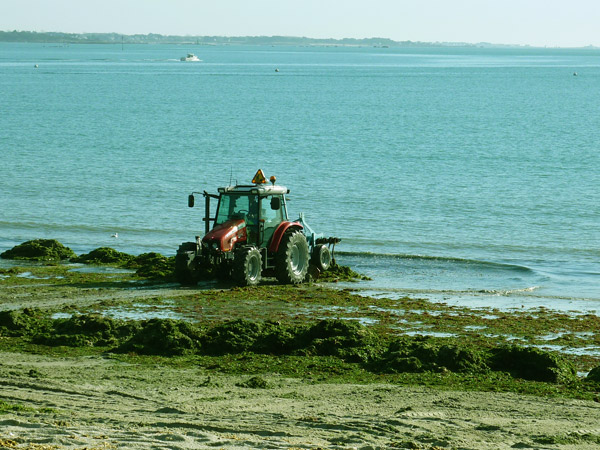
462, 175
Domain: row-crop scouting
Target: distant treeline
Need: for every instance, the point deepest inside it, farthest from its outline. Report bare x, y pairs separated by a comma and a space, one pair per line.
115, 38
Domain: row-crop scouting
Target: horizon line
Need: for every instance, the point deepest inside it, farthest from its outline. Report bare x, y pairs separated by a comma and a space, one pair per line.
387, 39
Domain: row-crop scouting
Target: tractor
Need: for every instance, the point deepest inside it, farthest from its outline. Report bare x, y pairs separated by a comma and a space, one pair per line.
251, 237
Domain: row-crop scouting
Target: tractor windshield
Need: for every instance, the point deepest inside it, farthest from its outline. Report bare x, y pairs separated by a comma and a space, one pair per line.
237, 206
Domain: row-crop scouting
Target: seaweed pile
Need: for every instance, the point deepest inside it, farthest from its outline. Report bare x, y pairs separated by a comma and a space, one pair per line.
39, 250
337, 273
347, 340
147, 265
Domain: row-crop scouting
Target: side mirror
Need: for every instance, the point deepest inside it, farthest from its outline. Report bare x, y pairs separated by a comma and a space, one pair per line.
191, 200
275, 203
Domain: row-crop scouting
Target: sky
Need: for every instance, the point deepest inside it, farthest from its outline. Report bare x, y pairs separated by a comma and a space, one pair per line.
564, 23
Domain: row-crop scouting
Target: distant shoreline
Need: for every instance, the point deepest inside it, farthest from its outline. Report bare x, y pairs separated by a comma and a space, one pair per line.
116, 38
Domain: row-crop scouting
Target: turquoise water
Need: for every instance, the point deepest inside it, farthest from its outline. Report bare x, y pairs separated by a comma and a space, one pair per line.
467, 174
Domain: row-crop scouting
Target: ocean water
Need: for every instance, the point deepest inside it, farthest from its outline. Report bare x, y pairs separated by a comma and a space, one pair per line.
462, 175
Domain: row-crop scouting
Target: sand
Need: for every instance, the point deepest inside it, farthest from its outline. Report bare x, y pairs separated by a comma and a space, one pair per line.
100, 402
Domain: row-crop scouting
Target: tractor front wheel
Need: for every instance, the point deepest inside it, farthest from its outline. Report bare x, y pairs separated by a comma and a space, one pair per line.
247, 266
291, 260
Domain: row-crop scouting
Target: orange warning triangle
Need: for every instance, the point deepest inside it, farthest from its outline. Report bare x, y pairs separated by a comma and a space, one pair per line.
259, 178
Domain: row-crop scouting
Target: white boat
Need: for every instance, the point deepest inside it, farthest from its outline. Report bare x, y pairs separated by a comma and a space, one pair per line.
190, 57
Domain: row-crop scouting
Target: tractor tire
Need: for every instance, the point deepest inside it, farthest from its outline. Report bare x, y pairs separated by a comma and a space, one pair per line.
291, 259
186, 272
247, 266
321, 257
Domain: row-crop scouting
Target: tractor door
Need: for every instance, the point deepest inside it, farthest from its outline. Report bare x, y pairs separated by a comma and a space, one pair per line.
271, 215
237, 206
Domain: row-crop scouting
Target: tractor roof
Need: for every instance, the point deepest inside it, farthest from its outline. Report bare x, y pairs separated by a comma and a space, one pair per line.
254, 189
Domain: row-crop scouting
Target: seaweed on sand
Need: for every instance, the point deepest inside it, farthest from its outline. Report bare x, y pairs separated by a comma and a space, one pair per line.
154, 266
532, 364
345, 339
39, 250
337, 273
255, 382
85, 330
19, 323
104, 255
426, 354
238, 336
147, 265
593, 376
165, 337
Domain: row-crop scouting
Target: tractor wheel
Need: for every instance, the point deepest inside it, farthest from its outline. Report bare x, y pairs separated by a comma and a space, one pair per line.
321, 257
247, 266
186, 272
291, 260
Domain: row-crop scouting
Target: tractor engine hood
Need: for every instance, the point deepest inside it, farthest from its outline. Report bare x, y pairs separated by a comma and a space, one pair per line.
225, 235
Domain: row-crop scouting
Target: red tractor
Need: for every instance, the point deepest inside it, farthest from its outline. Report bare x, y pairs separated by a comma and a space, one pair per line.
251, 237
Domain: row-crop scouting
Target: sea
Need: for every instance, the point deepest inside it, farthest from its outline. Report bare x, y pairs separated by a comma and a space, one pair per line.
464, 175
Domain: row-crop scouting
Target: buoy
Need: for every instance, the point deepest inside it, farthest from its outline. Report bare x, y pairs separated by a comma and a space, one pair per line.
276, 70
574, 74
115, 235
36, 66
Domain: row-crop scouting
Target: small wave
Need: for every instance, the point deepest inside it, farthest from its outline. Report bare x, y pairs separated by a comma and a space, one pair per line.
443, 259
527, 292
508, 291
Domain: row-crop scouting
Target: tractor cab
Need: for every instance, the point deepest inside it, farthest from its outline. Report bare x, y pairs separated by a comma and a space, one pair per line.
258, 209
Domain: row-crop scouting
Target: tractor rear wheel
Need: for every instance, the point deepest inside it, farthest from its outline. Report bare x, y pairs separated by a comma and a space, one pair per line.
247, 266
186, 271
291, 260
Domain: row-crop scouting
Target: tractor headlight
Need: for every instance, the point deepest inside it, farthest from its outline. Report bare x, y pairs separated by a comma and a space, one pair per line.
215, 245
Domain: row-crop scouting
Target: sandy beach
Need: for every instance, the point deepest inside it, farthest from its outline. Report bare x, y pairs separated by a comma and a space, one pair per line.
97, 402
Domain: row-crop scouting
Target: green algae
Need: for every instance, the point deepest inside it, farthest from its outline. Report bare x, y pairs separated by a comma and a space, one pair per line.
150, 265
153, 266
104, 255
242, 335
575, 438
346, 340
166, 337
431, 354
337, 273
594, 376
84, 330
532, 364
39, 250
423, 354
255, 382
19, 323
